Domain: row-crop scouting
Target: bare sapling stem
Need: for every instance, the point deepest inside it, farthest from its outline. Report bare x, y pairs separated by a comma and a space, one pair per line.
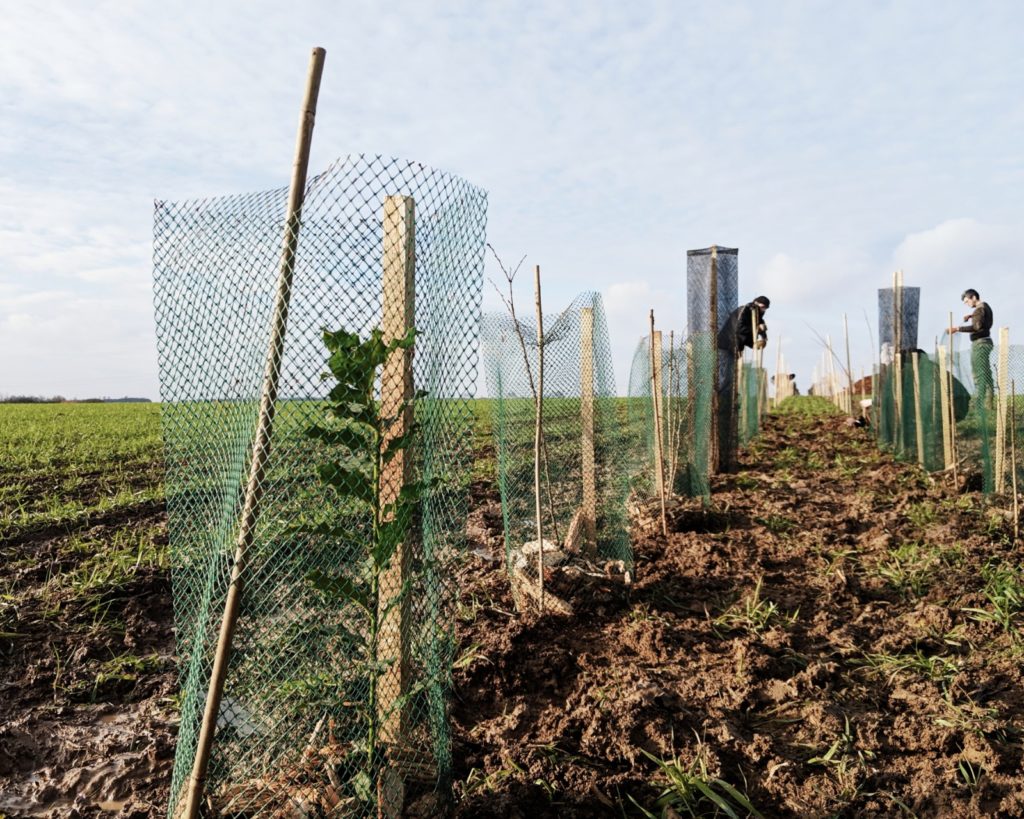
510, 305
537, 437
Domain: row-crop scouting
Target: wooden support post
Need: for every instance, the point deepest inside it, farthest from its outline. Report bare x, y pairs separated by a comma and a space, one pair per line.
918, 425
778, 372
659, 461
1004, 389
261, 441
587, 417
396, 390
944, 400
1013, 459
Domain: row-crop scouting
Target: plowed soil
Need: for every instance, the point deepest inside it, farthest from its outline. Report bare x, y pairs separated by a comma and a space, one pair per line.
835, 636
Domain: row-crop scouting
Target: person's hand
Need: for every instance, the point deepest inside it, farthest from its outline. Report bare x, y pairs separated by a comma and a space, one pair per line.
954, 330
968, 316
759, 344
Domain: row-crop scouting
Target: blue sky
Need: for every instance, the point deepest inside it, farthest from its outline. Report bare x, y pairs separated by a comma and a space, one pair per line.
831, 143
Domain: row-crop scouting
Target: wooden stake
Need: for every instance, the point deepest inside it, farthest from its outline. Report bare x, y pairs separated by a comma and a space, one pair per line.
538, 432
587, 414
261, 441
919, 426
778, 372
947, 417
659, 465
396, 390
1013, 458
1004, 388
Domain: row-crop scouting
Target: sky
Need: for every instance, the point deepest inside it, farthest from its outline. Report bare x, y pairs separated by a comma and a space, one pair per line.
831, 143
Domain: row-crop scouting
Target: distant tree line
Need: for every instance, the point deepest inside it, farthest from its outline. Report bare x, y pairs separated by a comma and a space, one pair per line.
60, 399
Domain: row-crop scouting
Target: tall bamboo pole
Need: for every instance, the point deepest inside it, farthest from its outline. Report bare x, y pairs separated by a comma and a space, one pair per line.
918, 425
261, 440
659, 464
538, 433
944, 403
1013, 458
952, 408
1004, 388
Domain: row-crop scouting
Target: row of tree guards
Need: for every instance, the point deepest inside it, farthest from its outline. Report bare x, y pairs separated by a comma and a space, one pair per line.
923, 410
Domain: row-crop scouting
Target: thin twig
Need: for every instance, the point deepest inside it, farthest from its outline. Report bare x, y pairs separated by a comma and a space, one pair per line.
510, 305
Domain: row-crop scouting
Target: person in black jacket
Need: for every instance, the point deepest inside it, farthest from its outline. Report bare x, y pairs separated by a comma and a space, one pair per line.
738, 330
980, 328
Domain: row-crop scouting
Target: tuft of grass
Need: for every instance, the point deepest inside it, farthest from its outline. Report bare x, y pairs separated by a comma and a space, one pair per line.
752, 613
689, 790
1004, 590
939, 668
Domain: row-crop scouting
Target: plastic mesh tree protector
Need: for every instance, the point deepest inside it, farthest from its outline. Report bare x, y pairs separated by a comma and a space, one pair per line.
712, 294
587, 442
384, 243
676, 369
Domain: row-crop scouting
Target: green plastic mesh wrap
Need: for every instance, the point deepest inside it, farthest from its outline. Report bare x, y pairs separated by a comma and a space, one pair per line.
295, 725
686, 377
580, 470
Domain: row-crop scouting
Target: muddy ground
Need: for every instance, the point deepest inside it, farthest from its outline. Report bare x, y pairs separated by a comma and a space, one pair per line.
837, 635
87, 714
809, 641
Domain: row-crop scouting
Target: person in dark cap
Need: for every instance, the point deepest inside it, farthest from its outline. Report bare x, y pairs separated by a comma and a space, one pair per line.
980, 328
739, 329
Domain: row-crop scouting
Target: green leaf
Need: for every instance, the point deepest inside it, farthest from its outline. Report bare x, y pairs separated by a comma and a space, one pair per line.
402, 442
339, 588
349, 481
362, 785
355, 437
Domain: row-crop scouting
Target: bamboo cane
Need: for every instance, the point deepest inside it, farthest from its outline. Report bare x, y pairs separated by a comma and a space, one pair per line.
919, 426
944, 402
538, 433
952, 407
659, 465
1004, 363
1013, 459
262, 438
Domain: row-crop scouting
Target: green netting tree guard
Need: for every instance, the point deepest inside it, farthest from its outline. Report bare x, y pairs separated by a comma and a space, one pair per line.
385, 244
684, 459
584, 469
752, 401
